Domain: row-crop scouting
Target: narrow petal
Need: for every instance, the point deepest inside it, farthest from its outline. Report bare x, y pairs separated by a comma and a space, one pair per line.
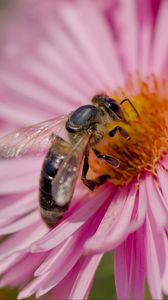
16, 168
23, 271
31, 288
21, 223
164, 162
138, 273
107, 49
71, 16
54, 256
85, 277
145, 35
141, 208
10, 261
109, 220
156, 206
73, 222
67, 258
20, 115
121, 272
165, 274
128, 36
114, 233
160, 42
163, 179
73, 56
20, 205
19, 184
22, 240
63, 289
28, 89
152, 266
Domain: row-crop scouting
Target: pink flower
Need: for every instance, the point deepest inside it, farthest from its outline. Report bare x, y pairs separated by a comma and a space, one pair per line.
56, 56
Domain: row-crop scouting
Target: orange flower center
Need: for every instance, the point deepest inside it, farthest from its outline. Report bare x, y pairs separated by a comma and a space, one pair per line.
148, 132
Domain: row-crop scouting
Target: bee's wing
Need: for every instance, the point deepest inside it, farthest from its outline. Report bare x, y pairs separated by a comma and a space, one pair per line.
64, 182
34, 138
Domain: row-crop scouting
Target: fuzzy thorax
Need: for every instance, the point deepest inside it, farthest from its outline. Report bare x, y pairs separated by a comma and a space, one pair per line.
148, 132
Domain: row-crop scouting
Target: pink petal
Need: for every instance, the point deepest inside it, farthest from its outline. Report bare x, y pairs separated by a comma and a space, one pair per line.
22, 240
145, 36
141, 208
163, 178
20, 115
52, 55
138, 273
114, 229
21, 223
164, 161
128, 35
165, 274
19, 184
109, 220
121, 272
45, 73
160, 41
20, 205
20, 167
10, 261
73, 222
71, 17
67, 258
130, 267
7, 220
66, 249
63, 289
85, 276
152, 266
52, 257
156, 206
23, 271
31, 288
107, 49
71, 53
29, 90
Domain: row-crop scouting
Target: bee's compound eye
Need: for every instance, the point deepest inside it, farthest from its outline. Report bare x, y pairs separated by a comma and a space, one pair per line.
112, 106
82, 118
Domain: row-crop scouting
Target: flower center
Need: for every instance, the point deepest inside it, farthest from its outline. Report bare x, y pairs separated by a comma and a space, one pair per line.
148, 132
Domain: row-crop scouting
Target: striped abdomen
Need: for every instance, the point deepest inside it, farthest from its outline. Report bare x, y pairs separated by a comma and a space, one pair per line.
50, 211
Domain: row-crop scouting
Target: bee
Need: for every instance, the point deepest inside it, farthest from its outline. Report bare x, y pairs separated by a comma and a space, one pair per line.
85, 127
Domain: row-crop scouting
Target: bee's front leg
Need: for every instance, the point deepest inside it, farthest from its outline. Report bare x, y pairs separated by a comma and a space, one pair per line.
121, 130
108, 158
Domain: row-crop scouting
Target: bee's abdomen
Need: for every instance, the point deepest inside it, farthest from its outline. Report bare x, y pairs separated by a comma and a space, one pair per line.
50, 211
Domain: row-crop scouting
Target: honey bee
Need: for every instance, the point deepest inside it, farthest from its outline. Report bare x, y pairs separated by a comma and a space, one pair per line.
85, 127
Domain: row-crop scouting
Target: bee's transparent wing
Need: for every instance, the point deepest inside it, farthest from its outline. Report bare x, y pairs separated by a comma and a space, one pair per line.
64, 182
33, 139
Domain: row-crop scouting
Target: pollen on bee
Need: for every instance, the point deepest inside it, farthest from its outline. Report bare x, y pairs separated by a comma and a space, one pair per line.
147, 132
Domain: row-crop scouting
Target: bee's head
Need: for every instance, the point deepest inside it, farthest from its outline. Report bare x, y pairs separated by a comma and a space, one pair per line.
108, 106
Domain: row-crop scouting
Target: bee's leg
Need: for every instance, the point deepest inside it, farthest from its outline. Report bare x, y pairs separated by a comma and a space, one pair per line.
122, 132
91, 184
108, 158
129, 101
88, 183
